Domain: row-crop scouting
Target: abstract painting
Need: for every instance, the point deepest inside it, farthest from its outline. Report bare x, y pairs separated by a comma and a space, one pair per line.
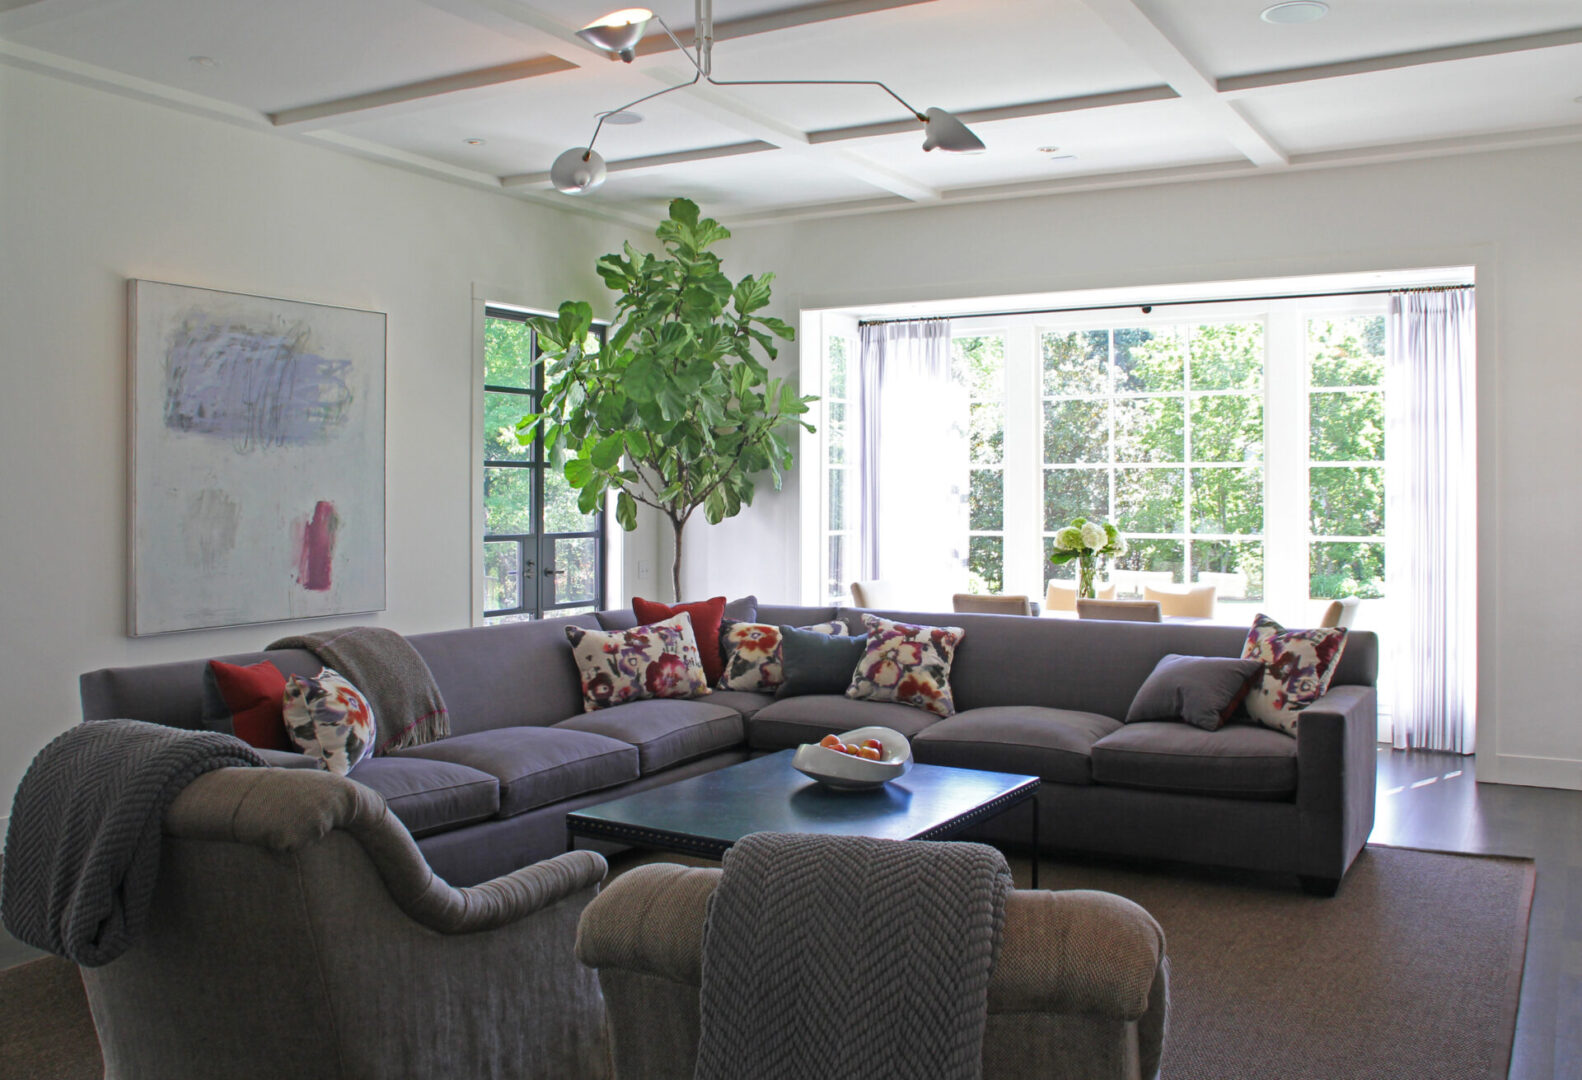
257, 468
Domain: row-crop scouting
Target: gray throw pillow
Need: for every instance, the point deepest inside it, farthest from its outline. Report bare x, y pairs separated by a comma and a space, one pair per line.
817, 663
1202, 690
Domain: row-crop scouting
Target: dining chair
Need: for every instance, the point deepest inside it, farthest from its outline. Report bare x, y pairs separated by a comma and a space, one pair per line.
1194, 601
991, 605
1062, 596
1342, 612
877, 593
1120, 610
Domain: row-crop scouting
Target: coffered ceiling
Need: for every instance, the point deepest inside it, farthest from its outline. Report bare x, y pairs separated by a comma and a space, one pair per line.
1067, 94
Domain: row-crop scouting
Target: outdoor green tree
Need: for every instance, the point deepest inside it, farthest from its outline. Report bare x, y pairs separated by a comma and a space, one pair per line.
676, 411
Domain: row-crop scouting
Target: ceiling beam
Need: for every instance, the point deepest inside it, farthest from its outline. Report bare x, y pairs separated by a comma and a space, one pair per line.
1396, 61
421, 91
784, 19
1004, 112
1167, 57
651, 161
550, 35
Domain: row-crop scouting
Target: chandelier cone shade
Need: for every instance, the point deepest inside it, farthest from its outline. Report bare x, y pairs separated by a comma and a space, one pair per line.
618, 32
945, 132
578, 171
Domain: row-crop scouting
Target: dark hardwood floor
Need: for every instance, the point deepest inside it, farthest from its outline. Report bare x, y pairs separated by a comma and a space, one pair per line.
1433, 801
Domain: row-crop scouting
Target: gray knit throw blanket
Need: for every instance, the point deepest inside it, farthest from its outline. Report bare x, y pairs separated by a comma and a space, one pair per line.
844, 958
408, 709
82, 849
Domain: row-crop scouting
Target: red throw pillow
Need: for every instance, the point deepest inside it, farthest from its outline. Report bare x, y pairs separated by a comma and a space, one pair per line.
706, 616
253, 694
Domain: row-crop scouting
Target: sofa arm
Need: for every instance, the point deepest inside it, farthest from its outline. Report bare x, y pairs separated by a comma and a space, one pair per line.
1336, 745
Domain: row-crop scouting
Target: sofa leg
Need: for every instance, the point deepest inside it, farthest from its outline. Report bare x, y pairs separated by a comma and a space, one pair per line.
1319, 886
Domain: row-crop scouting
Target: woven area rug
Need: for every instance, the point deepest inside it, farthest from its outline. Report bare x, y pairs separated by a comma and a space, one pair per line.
1413, 970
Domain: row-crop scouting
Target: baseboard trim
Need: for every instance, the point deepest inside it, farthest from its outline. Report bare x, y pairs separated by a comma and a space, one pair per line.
1530, 771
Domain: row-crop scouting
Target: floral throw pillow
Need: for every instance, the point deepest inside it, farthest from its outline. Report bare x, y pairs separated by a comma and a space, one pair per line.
752, 655
1297, 668
329, 720
907, 664
655, 661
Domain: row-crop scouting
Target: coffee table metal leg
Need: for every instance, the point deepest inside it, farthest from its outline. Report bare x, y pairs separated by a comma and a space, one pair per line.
1034, 803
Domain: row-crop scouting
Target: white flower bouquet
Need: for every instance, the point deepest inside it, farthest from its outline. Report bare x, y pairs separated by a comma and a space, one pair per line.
1087, 542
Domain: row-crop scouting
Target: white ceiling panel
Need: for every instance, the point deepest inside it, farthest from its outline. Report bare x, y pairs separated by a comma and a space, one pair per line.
274, 54
1467, 97
1227, 37
956, 54
526, 125
733, 186
1157, 134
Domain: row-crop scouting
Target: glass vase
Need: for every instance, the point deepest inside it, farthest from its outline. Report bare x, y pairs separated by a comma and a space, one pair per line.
1087, 566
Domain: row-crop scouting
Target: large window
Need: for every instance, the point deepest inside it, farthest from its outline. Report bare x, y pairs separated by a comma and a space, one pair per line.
1236, 444
540, 555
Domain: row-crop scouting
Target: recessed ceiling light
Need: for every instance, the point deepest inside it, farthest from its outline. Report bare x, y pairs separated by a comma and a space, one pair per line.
473, 142
204, 61
621, 116
1295, 11
1049, 149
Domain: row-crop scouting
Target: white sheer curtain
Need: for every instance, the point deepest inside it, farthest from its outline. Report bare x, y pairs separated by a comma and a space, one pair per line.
914, 461
1431, 510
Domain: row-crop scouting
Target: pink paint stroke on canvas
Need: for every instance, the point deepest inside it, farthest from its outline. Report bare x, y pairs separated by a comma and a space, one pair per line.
317, 548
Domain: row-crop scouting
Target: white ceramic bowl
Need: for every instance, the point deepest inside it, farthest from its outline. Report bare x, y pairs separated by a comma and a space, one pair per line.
843, 772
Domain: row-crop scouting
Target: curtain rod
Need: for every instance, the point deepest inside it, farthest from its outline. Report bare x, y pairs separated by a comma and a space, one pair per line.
1146, 308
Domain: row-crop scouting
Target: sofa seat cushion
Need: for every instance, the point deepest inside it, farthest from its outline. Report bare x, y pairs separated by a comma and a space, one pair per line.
666, 732
1054, 743
430, 796
796, 720
743, 701
537, 766
1237, 761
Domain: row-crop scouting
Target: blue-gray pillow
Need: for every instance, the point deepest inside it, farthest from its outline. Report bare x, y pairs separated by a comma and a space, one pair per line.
1204, 691
816, 663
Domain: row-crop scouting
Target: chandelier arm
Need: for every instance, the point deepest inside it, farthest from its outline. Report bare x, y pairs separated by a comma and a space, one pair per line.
646, 97
684, 50
820, 82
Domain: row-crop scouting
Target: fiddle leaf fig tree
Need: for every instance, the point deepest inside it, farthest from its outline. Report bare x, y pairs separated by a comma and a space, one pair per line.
676, 410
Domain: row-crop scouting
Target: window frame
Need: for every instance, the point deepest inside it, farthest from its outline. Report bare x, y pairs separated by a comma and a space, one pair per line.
540, 543
1286, 534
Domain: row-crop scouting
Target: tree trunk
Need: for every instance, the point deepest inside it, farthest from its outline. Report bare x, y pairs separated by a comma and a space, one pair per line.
675, 571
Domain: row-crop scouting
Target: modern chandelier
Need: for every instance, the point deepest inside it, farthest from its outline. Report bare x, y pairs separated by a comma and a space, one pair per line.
582, 170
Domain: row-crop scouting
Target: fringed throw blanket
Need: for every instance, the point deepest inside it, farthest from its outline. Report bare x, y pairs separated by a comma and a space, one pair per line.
827, 958
383, 665
82, 849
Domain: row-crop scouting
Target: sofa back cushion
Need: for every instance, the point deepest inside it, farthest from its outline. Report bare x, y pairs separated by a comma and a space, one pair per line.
506, 675
171, 694
1088, 666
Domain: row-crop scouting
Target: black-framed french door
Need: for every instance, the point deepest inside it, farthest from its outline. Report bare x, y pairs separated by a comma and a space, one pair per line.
542, 557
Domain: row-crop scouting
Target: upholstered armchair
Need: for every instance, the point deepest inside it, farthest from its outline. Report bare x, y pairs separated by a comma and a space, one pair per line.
1079, 989
297, 932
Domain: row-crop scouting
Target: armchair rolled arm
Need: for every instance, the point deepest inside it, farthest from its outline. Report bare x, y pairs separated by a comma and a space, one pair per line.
650, 920
1077, 952
509, 897
284, 810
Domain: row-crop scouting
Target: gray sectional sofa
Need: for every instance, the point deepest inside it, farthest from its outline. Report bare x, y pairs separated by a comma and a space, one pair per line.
1033, 695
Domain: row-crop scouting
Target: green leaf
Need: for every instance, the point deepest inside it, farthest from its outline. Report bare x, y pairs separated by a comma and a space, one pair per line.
579, 472
626, 511
607, 451
684, 211
637, 443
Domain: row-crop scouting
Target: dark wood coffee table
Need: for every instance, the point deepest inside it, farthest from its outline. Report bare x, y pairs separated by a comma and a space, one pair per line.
706, 814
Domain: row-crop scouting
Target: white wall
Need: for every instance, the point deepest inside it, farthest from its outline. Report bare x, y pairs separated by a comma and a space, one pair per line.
95, 189
1512, 215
